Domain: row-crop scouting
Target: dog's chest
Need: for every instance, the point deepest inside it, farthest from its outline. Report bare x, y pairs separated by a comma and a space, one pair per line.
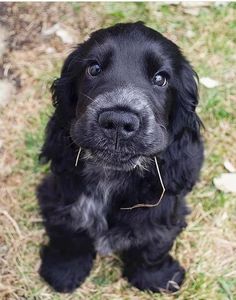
90, 211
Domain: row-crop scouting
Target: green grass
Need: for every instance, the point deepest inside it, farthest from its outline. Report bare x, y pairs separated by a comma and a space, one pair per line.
208, 243
226, 287
33, 143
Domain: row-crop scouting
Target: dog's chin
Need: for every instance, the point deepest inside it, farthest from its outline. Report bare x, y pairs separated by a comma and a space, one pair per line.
129, 165
114, 160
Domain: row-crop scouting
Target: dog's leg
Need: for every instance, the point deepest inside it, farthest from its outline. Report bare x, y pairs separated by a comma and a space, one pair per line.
152, 268
68, 257
66, 260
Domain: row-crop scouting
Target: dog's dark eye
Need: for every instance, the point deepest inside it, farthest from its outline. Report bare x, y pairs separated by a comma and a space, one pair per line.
94, 69
159, 79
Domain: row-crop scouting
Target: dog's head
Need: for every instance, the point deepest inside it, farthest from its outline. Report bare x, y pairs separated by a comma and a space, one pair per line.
127, 92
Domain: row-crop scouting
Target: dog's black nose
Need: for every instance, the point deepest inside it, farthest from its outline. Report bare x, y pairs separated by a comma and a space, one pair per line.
123, 123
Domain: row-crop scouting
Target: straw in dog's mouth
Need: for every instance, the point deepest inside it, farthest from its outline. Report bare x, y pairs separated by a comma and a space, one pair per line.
159, 200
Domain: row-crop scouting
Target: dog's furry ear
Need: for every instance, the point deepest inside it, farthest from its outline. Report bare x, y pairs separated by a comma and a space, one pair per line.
185, 153
183, 115
64, 96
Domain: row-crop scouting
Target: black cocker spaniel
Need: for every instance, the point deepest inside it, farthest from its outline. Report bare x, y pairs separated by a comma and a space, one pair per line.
125, 148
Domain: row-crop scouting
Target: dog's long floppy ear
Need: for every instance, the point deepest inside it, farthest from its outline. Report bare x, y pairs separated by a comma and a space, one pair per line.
183, 115
64, 96
185, 143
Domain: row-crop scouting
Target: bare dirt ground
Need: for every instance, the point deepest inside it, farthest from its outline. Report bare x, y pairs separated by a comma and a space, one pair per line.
30, 58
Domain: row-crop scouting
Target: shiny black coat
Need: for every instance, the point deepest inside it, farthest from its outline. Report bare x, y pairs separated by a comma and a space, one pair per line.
81, 205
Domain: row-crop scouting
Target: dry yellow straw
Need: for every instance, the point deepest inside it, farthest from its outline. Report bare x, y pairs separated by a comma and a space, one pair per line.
162, 194
77, 157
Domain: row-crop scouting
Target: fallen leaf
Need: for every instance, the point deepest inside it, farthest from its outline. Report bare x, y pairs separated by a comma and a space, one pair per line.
51, 30
229, 166
62, 33
193, 11
196, 3
65, 36
209, 82
220, 3
174, 2
226, 182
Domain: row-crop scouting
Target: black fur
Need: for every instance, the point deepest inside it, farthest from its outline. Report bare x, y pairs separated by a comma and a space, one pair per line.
81, 205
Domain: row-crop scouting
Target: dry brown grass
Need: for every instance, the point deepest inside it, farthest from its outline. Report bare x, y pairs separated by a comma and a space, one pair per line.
207, 248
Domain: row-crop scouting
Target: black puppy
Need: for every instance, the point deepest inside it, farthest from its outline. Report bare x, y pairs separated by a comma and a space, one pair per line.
125, 102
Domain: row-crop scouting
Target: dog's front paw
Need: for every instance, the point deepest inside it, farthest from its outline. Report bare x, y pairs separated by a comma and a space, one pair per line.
62, 272
166, 278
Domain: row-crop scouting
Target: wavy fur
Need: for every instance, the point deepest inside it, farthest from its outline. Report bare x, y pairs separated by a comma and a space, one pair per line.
81, 205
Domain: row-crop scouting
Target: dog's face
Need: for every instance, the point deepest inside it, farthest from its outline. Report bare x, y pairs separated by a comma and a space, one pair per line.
126, 81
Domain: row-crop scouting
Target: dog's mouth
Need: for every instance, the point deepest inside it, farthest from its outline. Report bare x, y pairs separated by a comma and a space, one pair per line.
115, 160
